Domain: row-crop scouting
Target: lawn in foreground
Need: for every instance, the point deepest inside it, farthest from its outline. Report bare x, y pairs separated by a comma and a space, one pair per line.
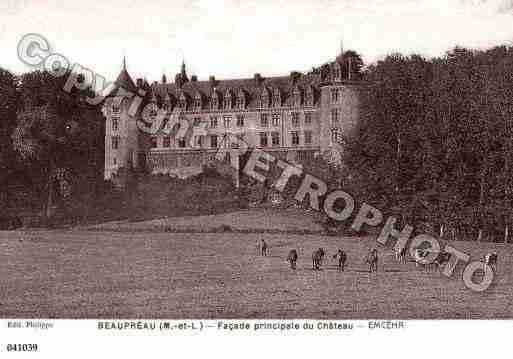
82, 274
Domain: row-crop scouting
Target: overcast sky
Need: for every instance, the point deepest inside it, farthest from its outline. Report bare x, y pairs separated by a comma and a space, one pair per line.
238, 38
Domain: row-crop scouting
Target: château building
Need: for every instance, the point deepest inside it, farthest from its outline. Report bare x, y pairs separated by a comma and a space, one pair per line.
295, 117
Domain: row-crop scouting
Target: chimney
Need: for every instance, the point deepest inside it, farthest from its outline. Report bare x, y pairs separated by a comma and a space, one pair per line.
139, 83
194, 78
164, 79
258, 78
294, 76
212, 80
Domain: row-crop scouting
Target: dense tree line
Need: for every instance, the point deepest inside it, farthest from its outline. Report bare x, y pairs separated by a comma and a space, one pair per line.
45, 129
436, 143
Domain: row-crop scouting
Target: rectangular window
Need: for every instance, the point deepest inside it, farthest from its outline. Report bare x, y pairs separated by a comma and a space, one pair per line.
334, 116
295, 119
295, 138
276, 119
275, 136
181, 142
154, 142
198, 140
114, 161
240, 121
263, 139
335, 95
213, 141
166, 142
115, 124
213, 122
115, 143
116, 109
196, 121
308, 118
264, 120
227, 120
308, 137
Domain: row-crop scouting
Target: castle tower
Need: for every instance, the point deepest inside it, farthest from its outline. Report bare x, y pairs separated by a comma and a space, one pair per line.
121, 134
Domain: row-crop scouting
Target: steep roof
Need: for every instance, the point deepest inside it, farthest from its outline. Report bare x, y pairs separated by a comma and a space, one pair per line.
251, 87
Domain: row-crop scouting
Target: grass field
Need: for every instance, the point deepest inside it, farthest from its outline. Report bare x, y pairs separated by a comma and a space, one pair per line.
103, 274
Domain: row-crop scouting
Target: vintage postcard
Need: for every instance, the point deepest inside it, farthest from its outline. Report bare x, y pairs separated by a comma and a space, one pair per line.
309, 167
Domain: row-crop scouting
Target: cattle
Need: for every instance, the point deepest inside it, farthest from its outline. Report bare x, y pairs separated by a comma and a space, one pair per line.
292, 258
372, 260
341, 257
317, 257
400, 255
491, 260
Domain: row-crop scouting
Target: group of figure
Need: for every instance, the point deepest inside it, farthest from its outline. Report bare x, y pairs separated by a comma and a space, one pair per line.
317, 258
372, 257
443, 257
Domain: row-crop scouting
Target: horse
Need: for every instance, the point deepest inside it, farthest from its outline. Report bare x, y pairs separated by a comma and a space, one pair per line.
292, 258
317, 257
342, 257
372, 260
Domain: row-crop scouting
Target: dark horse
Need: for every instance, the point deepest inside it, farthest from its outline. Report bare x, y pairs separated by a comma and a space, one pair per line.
317, 257
292, 258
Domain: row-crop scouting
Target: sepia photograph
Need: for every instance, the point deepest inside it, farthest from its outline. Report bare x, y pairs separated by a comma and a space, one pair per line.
322, 160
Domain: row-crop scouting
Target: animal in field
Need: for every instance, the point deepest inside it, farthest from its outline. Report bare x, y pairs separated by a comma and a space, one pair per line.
292, 258
317, 257
400, 255
264, 249
372, 260
341, 257
491, 260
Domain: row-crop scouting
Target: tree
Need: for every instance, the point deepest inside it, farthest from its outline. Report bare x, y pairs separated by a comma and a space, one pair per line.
8, 104
57, 129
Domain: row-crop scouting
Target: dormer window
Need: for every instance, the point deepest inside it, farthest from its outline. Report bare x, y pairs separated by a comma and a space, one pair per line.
276, 98
337, 71
182, 103
197, 102
296, 97
228, 98
310, 97
214, 104
167, 103
241, 100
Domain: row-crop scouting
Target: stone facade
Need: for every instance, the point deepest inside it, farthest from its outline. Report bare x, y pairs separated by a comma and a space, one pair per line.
295, 117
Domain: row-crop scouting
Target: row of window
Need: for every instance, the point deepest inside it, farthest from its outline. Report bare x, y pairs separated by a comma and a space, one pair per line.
275, 138
214, 140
